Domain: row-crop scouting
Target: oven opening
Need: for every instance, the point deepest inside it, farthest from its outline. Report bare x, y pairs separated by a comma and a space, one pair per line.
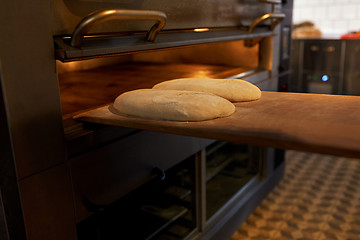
229, 168
163, 208
92, 83
169, 206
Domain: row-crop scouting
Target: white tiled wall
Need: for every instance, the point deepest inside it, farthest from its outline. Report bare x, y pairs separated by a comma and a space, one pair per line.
330, 16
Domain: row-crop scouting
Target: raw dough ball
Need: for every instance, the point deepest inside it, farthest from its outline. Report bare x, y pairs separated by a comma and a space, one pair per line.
173, 105
234, 90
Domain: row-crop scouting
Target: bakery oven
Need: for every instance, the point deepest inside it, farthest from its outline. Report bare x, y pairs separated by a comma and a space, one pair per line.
68, 179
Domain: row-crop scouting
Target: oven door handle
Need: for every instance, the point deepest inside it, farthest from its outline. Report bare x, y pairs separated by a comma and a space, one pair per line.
271, 1
278, 19
118, 14
277, 16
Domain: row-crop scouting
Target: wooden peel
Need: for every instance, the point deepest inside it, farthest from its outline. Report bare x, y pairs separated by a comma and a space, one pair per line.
328, 124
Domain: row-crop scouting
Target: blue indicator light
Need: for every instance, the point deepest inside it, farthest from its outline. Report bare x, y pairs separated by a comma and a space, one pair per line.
324, 78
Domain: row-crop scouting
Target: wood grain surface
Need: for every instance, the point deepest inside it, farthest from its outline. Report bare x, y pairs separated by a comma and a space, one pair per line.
307, 122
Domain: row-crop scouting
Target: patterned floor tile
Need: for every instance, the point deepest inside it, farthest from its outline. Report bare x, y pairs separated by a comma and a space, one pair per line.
318, 198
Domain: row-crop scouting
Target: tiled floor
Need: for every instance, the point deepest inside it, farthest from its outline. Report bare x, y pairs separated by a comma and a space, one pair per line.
318, 198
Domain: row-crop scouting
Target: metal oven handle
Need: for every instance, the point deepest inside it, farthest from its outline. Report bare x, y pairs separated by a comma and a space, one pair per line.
117, 14
271, 1
278, 18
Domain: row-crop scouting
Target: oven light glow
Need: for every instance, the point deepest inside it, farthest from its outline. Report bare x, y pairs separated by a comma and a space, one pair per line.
69, 66
325, 78
201, 29
200, 74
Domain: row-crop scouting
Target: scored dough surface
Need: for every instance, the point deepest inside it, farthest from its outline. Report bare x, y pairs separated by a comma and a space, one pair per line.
234, 90
172, 105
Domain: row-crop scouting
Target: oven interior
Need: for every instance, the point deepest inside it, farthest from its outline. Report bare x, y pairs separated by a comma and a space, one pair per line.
92, 83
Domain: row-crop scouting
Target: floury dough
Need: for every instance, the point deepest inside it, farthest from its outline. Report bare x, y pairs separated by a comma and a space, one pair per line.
172, 105
234, 90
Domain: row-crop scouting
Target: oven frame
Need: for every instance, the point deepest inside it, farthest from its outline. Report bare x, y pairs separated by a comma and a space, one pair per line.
36, 184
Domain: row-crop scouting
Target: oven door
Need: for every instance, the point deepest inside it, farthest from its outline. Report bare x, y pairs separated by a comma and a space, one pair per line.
185, 14
87, 29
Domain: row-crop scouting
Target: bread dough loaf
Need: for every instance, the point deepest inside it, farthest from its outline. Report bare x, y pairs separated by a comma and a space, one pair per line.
234, 90
172, 105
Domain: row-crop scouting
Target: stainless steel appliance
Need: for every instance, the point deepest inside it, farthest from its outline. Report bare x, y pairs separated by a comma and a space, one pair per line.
351, 71
320, 66
325, 66
60, 178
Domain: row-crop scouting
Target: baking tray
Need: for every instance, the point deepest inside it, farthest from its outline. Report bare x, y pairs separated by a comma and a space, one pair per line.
320, 123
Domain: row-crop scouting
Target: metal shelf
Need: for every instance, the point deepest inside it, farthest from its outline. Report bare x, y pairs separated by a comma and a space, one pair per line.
93, 47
